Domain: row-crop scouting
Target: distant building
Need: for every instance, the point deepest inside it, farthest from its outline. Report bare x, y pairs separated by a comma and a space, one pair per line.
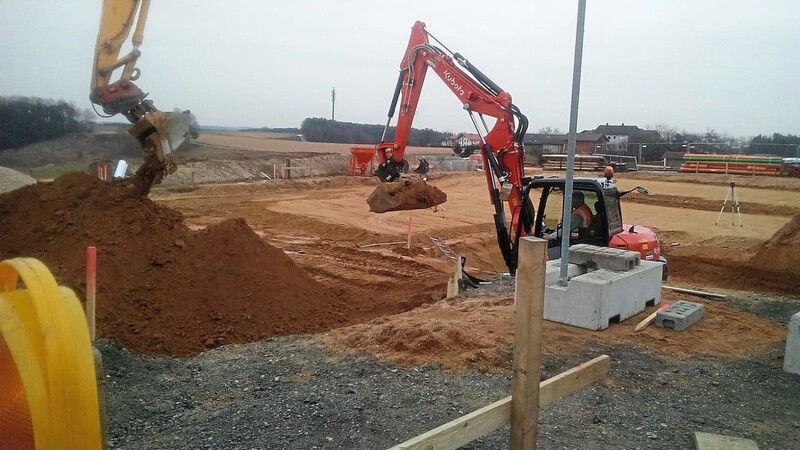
543, 144
619, 136
469, 139
587, 142
673, 159
462, 140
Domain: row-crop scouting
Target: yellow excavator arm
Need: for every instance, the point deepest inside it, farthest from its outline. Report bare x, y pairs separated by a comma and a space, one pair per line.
115, 25
160, 133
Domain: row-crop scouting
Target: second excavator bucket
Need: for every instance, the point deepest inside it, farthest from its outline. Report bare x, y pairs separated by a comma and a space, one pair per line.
404, 194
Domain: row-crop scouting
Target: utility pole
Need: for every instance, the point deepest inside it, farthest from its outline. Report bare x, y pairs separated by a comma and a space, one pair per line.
333, 104
573, 126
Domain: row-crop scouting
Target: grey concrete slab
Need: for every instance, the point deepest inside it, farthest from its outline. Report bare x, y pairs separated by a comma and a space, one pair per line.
708, 441
592, 299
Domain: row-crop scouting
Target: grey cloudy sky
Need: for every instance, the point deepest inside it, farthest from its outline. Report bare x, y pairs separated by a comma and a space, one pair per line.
727, 65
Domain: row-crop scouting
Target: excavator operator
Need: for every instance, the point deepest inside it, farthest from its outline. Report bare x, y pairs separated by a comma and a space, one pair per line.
581, 216
581, 213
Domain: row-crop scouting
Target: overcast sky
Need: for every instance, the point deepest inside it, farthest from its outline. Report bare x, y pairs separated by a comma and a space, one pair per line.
732, 66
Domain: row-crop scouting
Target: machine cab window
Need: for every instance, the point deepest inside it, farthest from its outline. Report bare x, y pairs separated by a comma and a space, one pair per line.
585, 226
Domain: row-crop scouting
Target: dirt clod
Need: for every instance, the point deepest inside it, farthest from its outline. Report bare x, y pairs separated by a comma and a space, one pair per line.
405, 194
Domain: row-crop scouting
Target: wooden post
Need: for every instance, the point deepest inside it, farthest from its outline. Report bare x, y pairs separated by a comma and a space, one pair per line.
452, 283
408, 243
91, 279
528, 318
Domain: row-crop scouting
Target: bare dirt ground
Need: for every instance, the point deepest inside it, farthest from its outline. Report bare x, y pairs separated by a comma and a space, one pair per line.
391, 359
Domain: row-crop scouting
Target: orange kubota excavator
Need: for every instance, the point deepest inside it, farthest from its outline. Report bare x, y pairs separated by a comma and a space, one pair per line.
160, 133
502, 152
501, 145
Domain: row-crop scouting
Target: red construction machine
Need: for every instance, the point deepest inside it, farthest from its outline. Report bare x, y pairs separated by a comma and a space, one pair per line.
502, 152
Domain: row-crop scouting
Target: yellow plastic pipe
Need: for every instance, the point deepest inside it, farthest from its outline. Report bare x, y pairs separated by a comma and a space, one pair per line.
44, 332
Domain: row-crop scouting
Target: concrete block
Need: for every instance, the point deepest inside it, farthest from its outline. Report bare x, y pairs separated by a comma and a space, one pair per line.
592, 299
791, 359
462, 165
708, 441
680, 315
603, 257
581, 253
553, 271
615, 259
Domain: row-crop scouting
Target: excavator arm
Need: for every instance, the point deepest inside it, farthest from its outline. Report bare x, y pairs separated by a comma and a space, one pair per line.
158, 132
501, 145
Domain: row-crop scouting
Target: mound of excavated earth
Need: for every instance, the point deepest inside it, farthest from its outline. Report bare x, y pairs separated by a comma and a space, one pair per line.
781, 253
11, 179
161, 287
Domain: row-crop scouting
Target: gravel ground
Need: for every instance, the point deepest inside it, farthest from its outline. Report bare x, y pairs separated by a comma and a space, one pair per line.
287, 393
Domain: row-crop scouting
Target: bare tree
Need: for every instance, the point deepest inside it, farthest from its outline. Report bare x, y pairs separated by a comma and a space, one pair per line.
667, 132
549, 130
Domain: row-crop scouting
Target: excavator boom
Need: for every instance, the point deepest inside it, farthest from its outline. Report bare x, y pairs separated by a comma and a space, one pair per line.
159, 133
500, 145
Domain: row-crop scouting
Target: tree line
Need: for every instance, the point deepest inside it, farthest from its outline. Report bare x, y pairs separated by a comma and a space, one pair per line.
316, 129
27, 120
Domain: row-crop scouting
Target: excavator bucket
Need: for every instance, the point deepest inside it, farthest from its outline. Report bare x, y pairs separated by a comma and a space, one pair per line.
171, 131
404, 194
160, 134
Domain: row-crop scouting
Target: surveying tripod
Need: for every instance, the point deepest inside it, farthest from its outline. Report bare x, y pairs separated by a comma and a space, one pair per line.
734, 206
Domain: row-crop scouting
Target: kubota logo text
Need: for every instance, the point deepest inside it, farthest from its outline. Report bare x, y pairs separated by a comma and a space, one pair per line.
453, 83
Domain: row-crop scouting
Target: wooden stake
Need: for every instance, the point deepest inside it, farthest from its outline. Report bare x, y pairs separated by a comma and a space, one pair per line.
649, 319
91, 279
452, 283
408, 243
529, 319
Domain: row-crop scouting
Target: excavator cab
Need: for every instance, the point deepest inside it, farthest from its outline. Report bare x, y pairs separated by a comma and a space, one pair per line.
592, 228
605, 227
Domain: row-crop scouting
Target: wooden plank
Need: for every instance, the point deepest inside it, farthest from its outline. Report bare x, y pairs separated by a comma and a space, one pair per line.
381, 243
693, 292
708, 441
528, 324
467, 428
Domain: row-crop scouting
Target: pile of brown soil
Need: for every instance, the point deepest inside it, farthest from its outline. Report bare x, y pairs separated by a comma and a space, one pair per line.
780, 253
162, 288
769, 266
478, 333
